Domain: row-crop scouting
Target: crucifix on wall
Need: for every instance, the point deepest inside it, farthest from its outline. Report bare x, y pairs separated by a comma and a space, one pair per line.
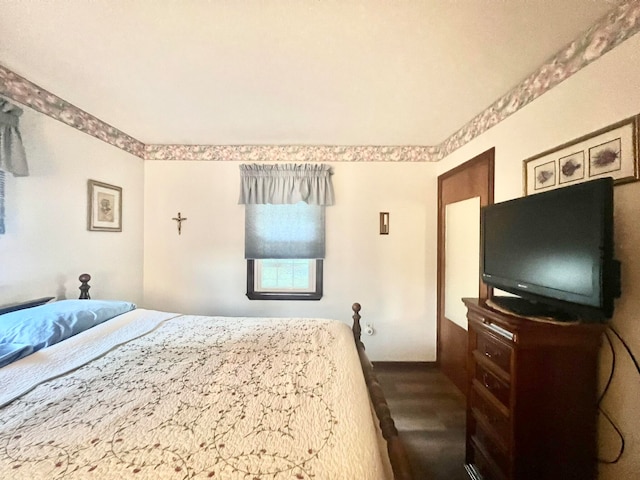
179, 219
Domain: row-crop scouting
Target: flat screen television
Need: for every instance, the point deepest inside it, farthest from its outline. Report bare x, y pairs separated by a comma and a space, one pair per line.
554, 251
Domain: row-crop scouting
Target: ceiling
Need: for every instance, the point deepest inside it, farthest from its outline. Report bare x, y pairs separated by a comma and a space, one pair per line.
286, 72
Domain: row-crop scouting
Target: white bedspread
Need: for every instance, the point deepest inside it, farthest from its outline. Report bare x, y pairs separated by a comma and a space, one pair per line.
191, 397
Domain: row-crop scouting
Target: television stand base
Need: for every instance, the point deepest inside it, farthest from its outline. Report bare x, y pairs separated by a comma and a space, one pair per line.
534, 311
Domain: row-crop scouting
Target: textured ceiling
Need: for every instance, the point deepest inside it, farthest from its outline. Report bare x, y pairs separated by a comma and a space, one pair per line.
278, 72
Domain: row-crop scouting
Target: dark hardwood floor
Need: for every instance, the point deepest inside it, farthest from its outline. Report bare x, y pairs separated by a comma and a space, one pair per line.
429, 412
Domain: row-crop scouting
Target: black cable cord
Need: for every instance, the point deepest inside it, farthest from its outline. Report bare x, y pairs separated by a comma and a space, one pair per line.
622, 443
606, 388
627, 348
605, 414
613, 369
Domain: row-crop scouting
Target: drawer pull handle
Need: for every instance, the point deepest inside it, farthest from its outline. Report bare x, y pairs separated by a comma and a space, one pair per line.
485, 380
489, 354
490, 384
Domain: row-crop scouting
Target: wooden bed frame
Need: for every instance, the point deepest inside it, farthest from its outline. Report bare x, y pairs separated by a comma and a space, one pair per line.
395, 447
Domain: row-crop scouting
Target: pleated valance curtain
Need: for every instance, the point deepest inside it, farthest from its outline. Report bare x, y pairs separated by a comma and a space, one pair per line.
12, 155
284, 214
286, 184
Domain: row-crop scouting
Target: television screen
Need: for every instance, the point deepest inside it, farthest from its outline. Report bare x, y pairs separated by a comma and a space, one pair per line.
554, 249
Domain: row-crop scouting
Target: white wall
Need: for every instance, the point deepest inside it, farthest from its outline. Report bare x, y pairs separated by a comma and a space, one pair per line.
599, 95
203, 270
47, 245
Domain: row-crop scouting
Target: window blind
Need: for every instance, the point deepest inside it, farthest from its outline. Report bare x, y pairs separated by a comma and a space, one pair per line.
284, 231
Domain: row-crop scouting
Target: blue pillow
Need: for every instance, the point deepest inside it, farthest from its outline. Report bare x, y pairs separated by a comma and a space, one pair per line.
26, 331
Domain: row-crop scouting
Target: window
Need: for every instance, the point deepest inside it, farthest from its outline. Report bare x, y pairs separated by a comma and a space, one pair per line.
1, 202
285, 274
12, 155
284, 279
284, 229
284, 247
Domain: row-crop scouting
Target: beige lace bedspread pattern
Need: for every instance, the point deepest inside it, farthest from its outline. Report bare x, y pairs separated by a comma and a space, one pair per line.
202, 397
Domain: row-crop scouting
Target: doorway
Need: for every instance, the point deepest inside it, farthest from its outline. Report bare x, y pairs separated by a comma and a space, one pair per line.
461, 193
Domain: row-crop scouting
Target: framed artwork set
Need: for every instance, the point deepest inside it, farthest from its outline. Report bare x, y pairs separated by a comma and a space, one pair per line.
611, 151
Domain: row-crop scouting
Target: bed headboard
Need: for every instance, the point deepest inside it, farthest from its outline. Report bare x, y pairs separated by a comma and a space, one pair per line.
84, 295
22, 305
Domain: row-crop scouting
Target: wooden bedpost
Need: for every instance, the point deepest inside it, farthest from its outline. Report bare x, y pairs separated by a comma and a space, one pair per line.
357, 330
84, 286
395, 447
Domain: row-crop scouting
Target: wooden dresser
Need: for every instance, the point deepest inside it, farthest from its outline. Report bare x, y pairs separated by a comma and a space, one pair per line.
532, 397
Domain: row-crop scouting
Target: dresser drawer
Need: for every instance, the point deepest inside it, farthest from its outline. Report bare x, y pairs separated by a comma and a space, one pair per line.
494, 350
491, 416
492, 449
493, 384
486, 467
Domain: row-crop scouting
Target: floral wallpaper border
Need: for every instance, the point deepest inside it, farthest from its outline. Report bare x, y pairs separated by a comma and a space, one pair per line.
28, 93
291, 153
613, 29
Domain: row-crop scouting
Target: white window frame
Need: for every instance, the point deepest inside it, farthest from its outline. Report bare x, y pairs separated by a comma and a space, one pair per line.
311, 278
256, 292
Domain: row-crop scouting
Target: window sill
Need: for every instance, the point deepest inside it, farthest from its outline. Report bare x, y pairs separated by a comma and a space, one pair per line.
283, 296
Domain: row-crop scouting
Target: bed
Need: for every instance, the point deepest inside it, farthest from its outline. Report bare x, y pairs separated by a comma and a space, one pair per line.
149, 394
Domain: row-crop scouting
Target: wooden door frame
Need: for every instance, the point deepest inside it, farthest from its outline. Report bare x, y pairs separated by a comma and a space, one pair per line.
463, 173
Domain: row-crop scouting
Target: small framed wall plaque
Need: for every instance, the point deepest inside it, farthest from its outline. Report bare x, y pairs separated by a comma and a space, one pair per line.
104, 207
